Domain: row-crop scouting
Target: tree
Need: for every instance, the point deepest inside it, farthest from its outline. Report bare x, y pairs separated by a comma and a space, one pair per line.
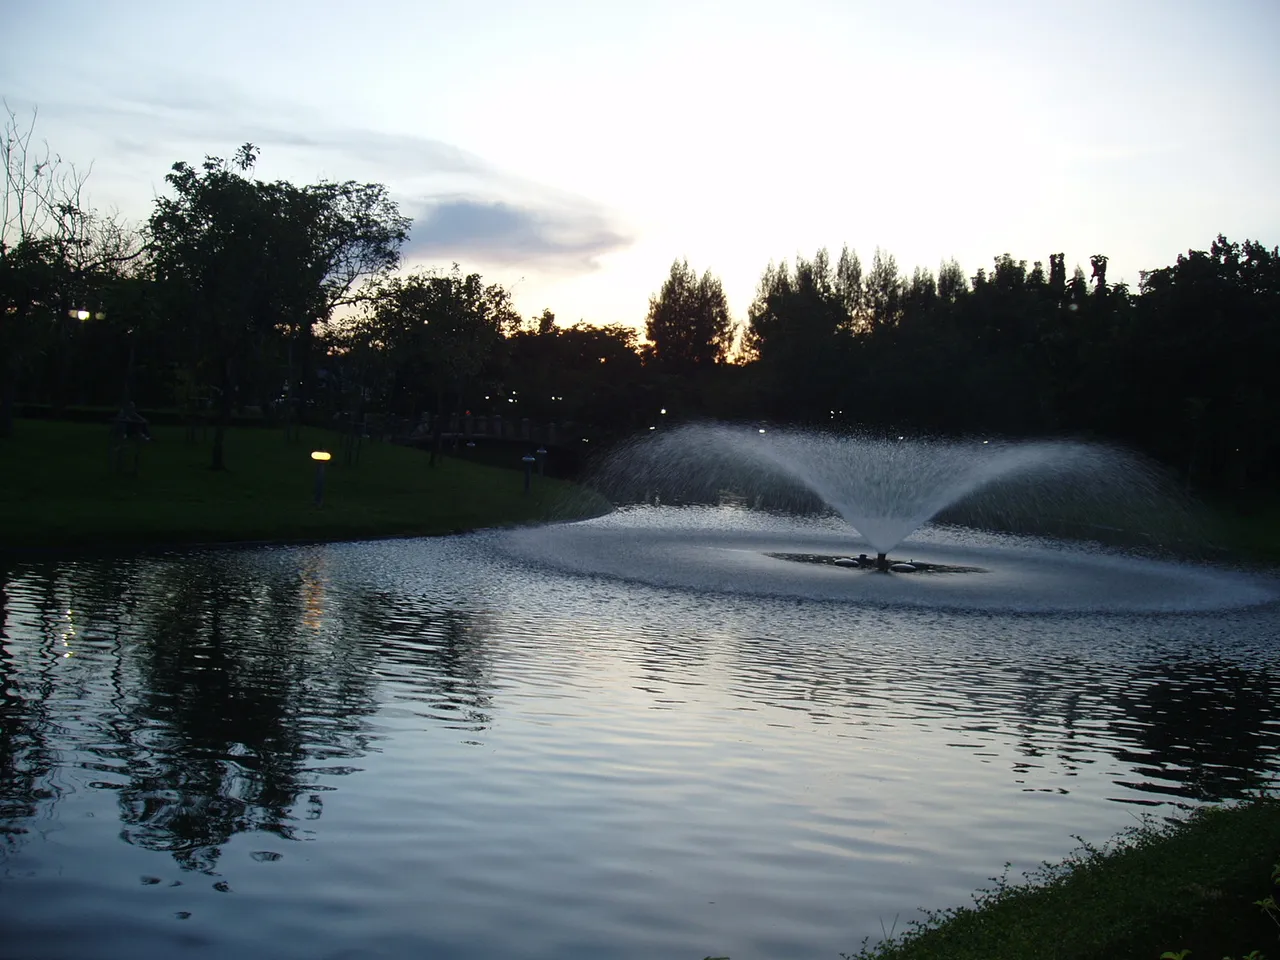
688, 323
799, 328
583, 373
1199, 361
952, 282
801, 309
849, 284
884, 289
249, 266
439, 330
55, 254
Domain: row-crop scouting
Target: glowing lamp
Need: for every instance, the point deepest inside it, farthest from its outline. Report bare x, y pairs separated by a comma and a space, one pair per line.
321, 455
82, 314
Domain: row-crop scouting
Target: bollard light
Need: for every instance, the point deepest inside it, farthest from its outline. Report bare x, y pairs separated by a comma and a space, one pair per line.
528, 460
321, 455
541, 454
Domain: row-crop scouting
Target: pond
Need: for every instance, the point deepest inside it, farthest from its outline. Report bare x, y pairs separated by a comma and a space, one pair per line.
495, 746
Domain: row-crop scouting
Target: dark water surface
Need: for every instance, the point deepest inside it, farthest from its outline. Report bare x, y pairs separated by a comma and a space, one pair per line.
431, 749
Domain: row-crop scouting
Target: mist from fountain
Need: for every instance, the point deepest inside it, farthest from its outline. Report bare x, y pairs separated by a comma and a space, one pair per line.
887, 488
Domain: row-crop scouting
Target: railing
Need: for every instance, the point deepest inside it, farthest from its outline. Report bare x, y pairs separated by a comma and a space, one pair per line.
403, 430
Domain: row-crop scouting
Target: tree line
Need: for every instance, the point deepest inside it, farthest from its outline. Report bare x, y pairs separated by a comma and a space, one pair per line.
237, 292
1179, 368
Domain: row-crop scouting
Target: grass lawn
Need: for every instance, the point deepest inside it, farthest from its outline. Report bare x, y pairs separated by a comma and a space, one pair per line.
57, 489
1250, 529
1190, 886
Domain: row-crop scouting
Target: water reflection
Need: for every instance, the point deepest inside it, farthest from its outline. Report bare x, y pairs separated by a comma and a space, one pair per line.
24, 757
511, 747
439, 654
205, 694
1199, 729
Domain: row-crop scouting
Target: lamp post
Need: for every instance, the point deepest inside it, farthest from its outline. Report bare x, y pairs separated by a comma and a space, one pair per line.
321, 457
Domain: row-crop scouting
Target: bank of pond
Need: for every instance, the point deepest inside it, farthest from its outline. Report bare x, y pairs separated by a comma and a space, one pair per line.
86, 485
1199, 888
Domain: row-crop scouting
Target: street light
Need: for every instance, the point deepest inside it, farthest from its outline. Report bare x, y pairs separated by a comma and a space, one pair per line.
321, 457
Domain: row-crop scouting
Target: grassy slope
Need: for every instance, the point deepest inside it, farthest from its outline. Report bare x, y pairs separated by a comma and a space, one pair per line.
1250, 530
1191, 886
57, 490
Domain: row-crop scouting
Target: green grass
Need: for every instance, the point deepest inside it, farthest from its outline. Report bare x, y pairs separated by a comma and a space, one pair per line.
1250, 530
57, 489
1192, 885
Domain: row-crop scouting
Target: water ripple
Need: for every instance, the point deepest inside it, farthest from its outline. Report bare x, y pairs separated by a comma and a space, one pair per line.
429, 747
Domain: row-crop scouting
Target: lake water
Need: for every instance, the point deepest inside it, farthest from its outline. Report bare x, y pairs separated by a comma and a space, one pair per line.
459, 748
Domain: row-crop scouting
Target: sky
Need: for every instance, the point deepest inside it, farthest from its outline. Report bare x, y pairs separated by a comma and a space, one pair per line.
572, 150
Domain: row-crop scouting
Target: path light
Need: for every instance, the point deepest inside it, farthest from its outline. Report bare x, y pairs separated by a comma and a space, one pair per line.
541, 454
321, 457
528, 460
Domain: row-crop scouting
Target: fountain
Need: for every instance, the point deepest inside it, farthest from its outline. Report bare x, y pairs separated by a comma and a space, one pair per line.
887, 488
753, 502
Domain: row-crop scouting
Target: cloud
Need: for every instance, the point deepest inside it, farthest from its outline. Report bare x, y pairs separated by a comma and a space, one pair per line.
151, 122
464, 206
551, 235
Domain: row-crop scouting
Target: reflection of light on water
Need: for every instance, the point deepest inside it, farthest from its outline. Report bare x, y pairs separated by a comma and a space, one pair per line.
313, 591
68, 633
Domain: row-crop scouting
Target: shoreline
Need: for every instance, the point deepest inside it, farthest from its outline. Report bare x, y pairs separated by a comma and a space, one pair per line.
1194, 884
142, 548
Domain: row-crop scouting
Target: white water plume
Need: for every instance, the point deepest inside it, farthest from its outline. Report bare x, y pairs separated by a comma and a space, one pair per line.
887, 488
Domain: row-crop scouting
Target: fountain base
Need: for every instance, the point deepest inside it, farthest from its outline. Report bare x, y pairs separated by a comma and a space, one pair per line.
879, 564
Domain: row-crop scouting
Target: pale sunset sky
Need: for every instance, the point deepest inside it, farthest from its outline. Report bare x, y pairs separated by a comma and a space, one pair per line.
571, 151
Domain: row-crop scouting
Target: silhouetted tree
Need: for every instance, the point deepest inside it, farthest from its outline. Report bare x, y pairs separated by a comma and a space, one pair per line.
799, 327
247, 265
437, 330
883, 292
56, 253
1099, 264
585, 374
688, 323
1057, 274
